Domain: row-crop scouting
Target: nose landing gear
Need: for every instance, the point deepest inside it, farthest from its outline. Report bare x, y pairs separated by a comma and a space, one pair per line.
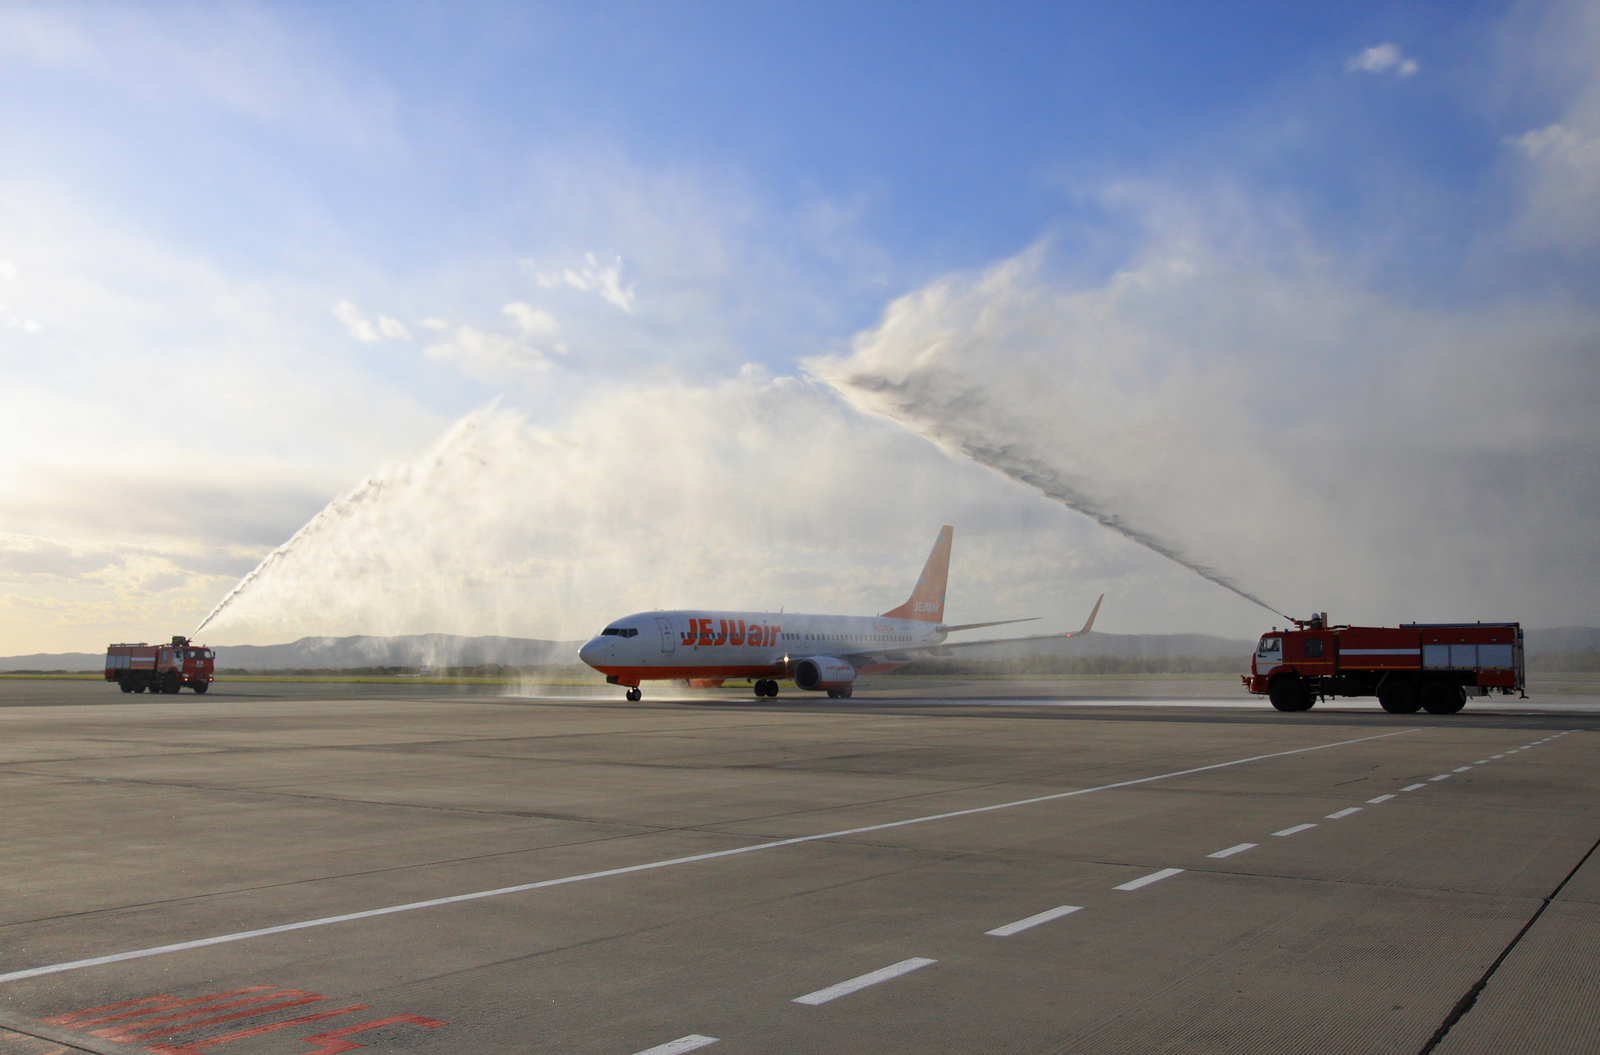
635, 694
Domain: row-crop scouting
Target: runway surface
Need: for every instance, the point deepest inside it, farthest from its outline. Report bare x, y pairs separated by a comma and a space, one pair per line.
964, 867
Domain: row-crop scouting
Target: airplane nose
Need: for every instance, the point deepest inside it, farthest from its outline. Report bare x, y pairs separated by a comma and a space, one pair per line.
590, 652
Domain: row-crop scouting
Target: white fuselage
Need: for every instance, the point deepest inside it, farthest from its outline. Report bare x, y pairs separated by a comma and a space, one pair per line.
693, 644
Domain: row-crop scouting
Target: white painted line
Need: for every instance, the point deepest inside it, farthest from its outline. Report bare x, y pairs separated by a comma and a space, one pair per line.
1033, 921
1381, 798
1344, 813
1296, 828
1413, 787
1153, 877
882, 974
682, 1044
1513, 751
1441, 776
1497, 756
412, 906
1230, 851
1460, 769
1481, 762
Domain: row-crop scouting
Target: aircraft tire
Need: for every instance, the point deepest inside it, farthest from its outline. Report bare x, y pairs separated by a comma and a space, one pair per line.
635, 695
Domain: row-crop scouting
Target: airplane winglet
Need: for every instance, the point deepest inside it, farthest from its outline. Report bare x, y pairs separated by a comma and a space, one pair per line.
1090, 624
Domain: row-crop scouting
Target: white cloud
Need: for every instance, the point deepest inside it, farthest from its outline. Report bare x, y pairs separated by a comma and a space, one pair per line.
1384, 58
434, 324
365, 329
591, 278
493, 357
1562, 204
531, 320
8, 270
359, 326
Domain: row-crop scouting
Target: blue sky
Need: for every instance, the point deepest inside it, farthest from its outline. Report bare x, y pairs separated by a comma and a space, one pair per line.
345, 227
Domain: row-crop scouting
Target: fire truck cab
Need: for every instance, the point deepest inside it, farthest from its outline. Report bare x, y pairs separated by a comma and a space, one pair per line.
1415, 666
160, 668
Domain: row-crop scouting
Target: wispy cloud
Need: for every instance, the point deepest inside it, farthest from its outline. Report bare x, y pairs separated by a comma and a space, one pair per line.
592, 277
1383, 58
365, 329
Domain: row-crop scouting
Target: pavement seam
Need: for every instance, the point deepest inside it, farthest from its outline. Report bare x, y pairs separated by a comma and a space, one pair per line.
1469, 999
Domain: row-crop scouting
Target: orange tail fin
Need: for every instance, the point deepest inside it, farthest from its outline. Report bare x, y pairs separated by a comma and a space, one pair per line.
927, 600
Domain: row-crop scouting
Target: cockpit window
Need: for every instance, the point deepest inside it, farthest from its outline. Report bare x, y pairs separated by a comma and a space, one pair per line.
619, 631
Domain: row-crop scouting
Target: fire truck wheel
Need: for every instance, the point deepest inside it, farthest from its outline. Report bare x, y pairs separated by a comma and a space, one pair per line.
1442, 697
201, 687
124, 684
1289, 694
171, 684
1400, 698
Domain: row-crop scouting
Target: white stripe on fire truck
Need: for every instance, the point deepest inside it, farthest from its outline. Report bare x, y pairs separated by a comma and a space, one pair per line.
1380, 651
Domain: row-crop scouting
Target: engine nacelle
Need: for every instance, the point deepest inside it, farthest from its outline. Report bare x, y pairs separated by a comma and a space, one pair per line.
815, 673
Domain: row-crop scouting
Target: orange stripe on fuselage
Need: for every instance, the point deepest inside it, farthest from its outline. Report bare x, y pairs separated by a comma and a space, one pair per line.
730, 670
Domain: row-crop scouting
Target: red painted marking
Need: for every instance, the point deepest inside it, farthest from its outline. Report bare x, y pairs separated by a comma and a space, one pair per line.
61, 1020
124, 1034
331, 1044
161, 1003
226, 1038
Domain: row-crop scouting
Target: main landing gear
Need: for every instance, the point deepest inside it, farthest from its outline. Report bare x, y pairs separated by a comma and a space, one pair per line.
766, 687
635, 694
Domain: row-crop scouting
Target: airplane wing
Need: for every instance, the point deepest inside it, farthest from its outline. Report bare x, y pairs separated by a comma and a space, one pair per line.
947, 649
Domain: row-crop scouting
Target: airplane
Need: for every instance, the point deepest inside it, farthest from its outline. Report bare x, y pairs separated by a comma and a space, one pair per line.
819, 652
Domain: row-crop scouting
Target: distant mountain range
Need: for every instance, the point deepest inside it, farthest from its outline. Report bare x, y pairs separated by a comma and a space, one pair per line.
449, 650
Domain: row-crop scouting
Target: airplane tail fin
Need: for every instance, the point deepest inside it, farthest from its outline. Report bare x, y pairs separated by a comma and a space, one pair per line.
1090, 624
927, 599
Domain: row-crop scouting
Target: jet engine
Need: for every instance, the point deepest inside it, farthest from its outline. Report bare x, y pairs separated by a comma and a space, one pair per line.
815, 673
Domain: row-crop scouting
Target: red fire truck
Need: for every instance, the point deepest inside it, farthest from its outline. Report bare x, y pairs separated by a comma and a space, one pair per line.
1410, 667
160, 668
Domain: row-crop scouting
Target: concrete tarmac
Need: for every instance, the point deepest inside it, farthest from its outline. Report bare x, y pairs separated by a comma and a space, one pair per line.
276, 868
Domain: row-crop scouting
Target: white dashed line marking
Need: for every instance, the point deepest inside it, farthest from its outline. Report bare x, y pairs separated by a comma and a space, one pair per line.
1481, 762
1413, 787
1033, 921
1296, 828
1497, 756
1153, 877
1441, 776
1460, 769
682, 1044
1381, 798
1230, 851
1344, 813
882, 974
